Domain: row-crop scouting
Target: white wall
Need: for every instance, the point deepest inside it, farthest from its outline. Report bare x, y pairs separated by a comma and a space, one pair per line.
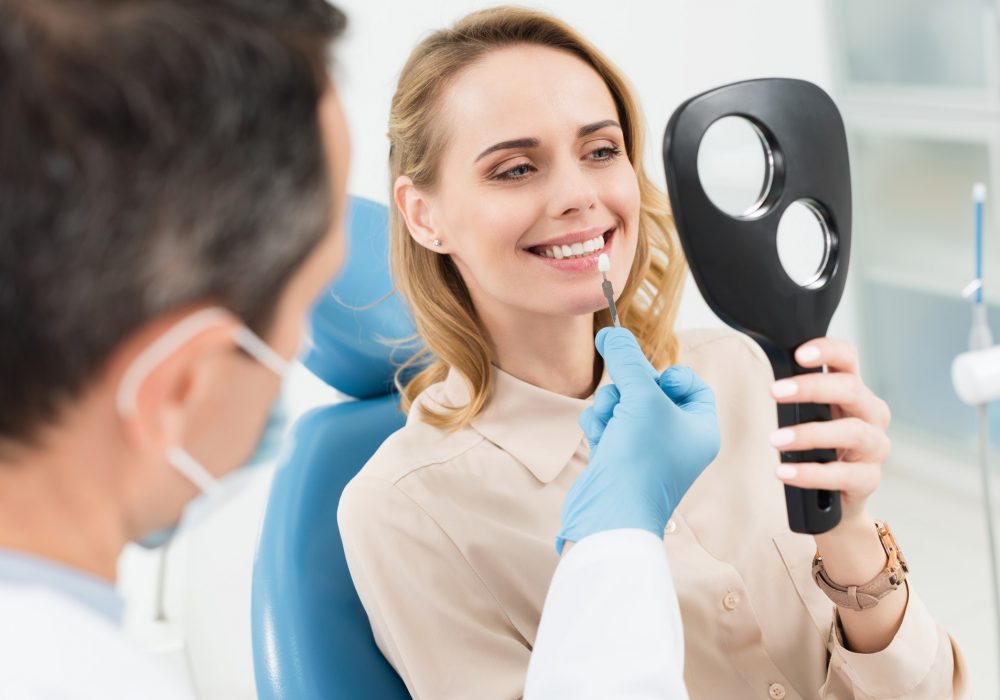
670, 49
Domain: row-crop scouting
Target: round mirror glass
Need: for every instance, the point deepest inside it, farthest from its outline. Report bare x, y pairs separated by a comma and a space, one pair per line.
735, 166
804, 243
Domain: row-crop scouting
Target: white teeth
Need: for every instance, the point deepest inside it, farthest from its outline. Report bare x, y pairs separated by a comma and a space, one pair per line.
560, 252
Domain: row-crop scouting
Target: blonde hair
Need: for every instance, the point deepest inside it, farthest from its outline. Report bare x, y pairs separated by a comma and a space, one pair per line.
446, 321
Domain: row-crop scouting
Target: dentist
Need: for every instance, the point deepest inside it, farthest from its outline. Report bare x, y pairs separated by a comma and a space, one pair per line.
168, 175
169, 172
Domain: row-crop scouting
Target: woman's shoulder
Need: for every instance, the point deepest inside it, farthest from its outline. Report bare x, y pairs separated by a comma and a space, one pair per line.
408, 451
380, 494
728, 361
416, 446
707, 348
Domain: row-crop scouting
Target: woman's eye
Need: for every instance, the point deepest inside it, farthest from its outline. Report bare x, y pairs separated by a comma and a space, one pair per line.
518, 172
605, 153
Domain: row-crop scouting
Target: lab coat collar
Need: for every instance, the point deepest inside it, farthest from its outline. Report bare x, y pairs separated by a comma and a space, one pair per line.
537, 427
22, 569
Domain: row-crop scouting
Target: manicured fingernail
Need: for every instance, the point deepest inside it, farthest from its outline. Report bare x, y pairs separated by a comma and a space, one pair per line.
786, 472
782, 437
807, 353
786, 387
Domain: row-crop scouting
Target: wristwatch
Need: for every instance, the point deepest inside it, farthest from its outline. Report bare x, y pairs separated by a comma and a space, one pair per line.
868, 595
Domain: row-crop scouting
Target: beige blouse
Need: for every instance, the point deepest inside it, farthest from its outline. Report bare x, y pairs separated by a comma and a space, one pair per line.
450, 541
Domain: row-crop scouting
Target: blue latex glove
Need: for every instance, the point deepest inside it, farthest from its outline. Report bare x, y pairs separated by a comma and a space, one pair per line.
650, 437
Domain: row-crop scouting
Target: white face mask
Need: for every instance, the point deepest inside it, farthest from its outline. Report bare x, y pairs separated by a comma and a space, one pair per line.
211, 487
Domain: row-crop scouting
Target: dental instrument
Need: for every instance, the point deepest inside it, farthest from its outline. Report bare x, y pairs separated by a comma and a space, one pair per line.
604, 265
735, 260
976, 378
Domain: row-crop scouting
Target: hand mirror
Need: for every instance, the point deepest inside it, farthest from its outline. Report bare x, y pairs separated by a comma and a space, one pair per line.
769, 254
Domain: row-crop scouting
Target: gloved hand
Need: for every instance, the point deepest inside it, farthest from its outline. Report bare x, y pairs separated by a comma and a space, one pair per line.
650, 437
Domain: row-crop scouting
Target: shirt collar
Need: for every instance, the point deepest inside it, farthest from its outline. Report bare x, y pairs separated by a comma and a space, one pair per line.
537, 427
21, 569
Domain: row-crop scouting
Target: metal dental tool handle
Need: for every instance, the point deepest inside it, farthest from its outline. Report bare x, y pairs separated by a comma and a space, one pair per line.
609, 294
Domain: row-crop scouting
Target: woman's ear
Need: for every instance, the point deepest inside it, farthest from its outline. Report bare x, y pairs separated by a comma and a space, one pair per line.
417, 213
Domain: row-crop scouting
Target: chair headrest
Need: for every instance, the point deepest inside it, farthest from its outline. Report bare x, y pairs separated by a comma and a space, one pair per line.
358, 314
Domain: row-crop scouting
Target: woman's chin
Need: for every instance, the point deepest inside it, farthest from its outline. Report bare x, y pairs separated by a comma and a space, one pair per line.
583, 304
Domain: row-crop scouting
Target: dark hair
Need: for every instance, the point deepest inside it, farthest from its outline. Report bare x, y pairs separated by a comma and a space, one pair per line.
153, 154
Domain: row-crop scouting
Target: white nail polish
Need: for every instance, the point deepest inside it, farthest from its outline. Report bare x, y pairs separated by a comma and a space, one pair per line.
786, 472
785, 387
781, 437
807, 353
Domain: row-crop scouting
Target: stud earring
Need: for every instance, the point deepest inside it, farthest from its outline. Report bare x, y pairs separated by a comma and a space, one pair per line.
436, 243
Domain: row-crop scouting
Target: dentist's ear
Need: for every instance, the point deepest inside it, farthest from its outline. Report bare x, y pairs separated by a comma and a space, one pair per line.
167, 369
417, 214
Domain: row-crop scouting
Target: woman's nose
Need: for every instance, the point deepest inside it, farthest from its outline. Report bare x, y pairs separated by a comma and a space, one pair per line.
573, 192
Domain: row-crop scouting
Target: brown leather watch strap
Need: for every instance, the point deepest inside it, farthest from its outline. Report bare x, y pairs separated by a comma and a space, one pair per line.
869, 594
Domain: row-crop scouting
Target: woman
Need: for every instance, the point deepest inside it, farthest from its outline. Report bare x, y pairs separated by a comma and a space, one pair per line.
516, 158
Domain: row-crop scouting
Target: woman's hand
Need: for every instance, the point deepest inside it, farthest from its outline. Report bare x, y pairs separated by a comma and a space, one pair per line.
857, 431
852, 553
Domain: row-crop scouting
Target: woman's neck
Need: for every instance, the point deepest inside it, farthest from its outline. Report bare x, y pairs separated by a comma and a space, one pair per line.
555, 353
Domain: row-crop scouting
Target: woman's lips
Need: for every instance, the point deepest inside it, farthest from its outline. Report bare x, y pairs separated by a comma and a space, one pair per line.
586, 240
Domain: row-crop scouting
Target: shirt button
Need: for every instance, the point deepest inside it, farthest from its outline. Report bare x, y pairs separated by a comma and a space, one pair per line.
671, 527
776, 691
731, 601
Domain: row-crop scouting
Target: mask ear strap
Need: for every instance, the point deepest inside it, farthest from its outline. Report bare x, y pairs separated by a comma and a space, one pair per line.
260, 351
165, 346
191, 468
159, 351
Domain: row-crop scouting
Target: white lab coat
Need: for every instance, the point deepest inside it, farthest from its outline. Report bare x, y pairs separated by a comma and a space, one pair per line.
53, 647
611, 625
611, 628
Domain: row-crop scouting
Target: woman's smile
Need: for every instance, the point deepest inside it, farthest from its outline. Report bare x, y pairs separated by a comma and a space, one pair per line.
577, 251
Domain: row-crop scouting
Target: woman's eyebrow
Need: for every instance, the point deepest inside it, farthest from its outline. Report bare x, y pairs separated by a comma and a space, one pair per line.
504, 145
596, 126
534, 143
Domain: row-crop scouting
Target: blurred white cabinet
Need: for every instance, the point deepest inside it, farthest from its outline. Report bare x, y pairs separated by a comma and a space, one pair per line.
935, 44
917, 81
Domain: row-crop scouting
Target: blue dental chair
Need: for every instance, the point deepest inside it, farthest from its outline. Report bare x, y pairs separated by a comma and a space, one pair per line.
311, 637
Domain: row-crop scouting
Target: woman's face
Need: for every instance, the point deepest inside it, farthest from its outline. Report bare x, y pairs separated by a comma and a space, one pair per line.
534, 184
